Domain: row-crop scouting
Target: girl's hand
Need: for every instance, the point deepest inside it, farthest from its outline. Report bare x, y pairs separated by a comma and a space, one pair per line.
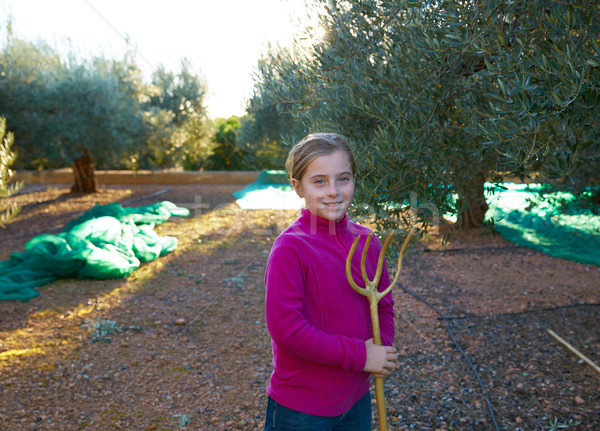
381, 360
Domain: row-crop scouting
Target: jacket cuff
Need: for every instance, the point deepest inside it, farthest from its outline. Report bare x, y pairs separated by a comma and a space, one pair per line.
355, 355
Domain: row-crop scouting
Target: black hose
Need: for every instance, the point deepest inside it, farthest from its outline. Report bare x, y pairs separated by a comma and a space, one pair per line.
461, 351
518, 313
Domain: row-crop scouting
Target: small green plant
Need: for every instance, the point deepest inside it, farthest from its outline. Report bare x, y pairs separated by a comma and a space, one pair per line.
555, 425
183, 420
101, 329
7, 157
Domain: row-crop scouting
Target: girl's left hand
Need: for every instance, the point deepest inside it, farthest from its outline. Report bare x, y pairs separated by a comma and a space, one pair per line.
381, 360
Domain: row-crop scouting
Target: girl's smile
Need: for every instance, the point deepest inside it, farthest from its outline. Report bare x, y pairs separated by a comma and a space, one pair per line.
327, 186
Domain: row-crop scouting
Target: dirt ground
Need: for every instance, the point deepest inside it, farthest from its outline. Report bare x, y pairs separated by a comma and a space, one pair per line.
190, 350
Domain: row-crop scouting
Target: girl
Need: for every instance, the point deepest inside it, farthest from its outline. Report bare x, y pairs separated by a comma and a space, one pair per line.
320, 327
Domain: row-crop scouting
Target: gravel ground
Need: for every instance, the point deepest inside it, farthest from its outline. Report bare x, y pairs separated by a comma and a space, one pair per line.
189, 349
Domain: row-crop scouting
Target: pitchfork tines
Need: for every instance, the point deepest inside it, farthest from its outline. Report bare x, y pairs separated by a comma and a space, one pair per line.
370, 289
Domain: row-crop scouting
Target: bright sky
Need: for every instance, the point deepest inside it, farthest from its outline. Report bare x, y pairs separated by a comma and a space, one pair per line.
223, 39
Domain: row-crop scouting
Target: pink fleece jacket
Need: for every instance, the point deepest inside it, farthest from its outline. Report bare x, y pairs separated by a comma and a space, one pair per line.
317, 322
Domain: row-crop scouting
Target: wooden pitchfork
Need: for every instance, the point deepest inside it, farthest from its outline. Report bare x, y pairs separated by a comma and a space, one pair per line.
373, 295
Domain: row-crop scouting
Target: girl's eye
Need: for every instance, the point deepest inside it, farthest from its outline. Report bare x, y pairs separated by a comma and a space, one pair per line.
319, 182
344, 179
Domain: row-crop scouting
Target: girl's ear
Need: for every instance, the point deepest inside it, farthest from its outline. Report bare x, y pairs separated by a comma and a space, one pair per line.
297, 187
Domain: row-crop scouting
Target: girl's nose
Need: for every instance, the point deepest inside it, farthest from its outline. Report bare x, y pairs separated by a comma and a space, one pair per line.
332, 189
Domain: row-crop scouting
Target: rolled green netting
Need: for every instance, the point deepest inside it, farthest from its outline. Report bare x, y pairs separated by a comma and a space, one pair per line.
106, 242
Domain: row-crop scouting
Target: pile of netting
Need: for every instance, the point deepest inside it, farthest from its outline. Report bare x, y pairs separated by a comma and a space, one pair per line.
106, 242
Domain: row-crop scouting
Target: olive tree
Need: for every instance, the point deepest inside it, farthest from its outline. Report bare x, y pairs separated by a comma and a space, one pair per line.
177, 119
59, 107
439, 97
261, 131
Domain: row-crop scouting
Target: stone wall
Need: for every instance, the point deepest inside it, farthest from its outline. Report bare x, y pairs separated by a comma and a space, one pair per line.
65, 176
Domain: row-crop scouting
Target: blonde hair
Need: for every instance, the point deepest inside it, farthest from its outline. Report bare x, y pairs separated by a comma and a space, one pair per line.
313, 146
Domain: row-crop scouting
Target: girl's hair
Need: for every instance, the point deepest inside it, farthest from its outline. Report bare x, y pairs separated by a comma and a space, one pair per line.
313, 146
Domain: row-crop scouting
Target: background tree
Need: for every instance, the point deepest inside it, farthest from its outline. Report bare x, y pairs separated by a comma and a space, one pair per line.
7, 209
95, 106
58, 108
440, 97
183, 137
267, 129
23, 69
227, 155
261, 130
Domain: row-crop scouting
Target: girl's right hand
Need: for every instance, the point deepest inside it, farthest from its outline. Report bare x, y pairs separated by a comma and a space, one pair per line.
381, 360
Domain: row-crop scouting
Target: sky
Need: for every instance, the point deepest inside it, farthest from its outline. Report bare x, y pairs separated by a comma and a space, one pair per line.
223, 39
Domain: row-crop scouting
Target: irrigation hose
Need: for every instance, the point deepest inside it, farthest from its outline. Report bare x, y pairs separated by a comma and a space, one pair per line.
461, 351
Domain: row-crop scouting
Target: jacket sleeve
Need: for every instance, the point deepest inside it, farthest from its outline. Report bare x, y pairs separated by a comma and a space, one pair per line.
289, 327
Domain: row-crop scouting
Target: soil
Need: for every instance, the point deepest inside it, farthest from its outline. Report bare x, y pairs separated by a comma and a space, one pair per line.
185, 345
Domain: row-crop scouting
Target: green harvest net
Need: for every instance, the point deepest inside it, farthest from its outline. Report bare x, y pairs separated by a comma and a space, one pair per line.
106, 242
573, 236
270, 191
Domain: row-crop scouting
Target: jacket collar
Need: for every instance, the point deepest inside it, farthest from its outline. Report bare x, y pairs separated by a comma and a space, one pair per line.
317, 224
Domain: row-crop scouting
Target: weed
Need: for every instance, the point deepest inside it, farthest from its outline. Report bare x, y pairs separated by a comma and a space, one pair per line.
554, 425
183, 420
101, 329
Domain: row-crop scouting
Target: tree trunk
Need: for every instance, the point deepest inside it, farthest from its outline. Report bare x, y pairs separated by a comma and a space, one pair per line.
83, 174
472, 205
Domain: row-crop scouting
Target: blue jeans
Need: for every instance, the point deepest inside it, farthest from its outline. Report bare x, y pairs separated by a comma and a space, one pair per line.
280, 418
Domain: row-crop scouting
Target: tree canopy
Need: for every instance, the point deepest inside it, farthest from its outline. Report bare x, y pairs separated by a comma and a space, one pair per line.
261, 130
58, 107
227, 154
439, 97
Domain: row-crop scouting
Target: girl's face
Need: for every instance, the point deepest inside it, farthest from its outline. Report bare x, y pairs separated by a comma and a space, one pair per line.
327, 186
